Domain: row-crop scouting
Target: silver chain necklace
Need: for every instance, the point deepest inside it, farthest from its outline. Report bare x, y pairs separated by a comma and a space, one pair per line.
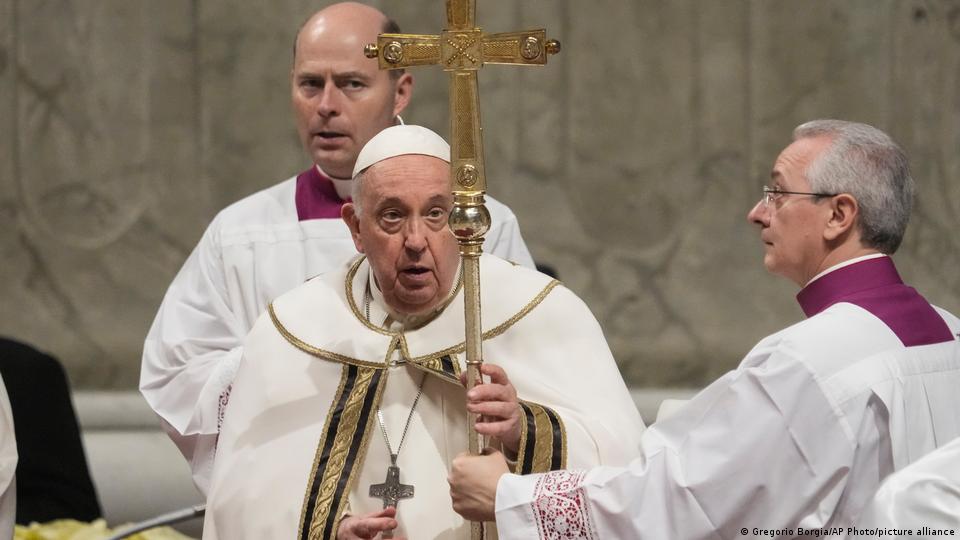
403, 436
366, 313
391, 491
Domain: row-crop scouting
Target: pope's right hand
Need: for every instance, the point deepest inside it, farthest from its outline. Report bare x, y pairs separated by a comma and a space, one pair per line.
368, 526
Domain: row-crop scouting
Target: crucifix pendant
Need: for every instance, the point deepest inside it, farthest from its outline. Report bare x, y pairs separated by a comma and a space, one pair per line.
391, 490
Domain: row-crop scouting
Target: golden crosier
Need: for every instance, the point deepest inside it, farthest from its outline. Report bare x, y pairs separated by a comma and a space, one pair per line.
461, 50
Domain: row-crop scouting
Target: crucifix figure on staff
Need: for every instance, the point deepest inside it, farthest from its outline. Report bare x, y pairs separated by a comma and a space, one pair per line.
348, 407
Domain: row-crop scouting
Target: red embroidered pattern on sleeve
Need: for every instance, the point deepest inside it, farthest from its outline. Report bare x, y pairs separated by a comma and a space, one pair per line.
221, 410
222, 406
560, 507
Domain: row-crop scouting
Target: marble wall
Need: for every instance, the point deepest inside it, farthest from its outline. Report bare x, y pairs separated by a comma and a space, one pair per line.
631, 160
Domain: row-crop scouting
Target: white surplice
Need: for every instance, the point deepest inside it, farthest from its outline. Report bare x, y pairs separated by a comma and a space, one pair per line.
924, 494
298, 369
8, 466
253, 251
799, 435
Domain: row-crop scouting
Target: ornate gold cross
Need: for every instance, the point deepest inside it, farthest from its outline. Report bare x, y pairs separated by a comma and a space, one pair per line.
461, 50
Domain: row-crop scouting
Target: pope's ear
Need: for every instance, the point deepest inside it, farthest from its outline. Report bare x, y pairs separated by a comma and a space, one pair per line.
349, 215
844, 211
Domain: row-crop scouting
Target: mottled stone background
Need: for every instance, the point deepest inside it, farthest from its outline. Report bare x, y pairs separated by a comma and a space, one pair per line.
631, 159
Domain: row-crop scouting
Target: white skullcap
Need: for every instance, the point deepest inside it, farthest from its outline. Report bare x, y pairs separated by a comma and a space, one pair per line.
400, 141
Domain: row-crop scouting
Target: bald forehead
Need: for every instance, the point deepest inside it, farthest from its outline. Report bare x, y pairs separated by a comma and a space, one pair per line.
346, 22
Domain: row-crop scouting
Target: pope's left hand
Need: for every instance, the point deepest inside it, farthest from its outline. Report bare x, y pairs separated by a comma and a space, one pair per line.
473, 484
498, 406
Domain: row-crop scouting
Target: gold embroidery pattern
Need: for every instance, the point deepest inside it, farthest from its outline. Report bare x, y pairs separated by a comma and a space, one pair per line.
395, 343
456, 367
316, 351
543, 446
490, 334
430, 362
434, 366
320, 445
431, 365
346, 431
434, 358
348, 289
522, 445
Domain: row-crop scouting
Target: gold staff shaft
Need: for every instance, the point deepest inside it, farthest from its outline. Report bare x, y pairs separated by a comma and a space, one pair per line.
462, 49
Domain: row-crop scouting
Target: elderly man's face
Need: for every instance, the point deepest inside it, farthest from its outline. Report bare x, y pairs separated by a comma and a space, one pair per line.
402, 228
791, 226
340, 98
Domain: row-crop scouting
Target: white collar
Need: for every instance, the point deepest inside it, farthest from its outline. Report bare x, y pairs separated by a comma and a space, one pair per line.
343, 186
847, 262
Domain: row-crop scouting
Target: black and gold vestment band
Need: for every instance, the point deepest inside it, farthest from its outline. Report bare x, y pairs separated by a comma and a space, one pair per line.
343, 444
340, 453
543, 440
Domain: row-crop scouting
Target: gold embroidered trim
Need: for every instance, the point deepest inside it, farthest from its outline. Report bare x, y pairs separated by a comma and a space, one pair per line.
456, 366
316, 351
543, 446
319, 450
490, 334
360, 458
433, 359
522, 445
346, 430
429, 361
348, 289
548, 446
395, 344
435, 367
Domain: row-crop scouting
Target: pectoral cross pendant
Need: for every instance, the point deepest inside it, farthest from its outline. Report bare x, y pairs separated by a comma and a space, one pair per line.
391, 490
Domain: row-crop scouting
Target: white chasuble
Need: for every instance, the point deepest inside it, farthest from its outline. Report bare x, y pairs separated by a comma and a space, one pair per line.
253, 251
301, 443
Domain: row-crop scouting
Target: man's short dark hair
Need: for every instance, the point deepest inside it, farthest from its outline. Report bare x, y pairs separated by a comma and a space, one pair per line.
390, 27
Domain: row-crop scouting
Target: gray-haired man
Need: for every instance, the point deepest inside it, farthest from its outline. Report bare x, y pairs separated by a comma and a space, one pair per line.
800, 435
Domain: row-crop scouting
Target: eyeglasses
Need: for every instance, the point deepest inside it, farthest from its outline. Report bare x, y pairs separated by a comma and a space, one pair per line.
771, 194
